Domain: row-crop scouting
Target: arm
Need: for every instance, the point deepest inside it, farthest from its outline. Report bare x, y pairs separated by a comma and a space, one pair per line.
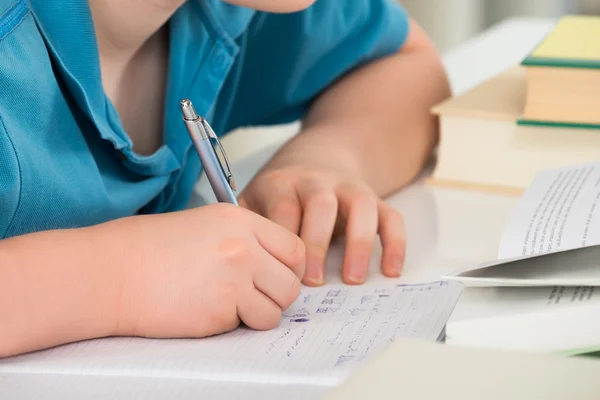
366, 136
62, 286
377, 118
147, 276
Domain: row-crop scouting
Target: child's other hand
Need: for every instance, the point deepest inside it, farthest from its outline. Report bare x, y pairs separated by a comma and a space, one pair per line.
314, 200
202, 271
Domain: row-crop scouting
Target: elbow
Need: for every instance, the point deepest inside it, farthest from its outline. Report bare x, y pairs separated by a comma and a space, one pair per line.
431, 68
9, 347
5, 350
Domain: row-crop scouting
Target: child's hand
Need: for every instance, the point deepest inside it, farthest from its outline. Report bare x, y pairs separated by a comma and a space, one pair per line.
314, 200
204, 270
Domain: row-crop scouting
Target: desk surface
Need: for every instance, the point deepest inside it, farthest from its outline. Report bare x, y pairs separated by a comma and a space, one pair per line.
446, 229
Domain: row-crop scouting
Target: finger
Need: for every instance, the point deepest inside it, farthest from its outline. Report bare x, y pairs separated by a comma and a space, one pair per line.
360, 207
277, 201
393, 240
320, 205
258, 311
282, 244
284, 209
277, 282
244, 203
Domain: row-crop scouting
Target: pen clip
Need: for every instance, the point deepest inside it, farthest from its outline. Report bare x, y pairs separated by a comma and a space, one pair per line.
220, 152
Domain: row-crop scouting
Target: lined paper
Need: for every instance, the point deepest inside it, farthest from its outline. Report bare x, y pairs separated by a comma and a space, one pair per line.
322, 337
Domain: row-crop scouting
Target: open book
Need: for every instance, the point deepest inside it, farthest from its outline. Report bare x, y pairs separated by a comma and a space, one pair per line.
540, 295
323, 337
552, 237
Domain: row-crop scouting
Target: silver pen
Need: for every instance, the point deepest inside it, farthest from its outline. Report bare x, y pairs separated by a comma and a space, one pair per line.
212, 155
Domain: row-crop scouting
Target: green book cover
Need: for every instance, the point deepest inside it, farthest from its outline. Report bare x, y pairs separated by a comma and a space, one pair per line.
574, 42
551, 124
592, 352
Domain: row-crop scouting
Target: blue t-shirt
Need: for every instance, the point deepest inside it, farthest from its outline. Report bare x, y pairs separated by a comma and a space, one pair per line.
65, 159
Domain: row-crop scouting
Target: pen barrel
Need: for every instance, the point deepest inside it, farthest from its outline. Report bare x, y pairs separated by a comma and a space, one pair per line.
212, 166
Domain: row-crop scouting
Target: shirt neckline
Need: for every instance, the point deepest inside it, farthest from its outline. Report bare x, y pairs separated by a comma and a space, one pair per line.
69, 34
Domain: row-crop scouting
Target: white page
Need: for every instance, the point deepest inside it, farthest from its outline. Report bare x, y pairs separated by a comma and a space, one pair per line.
557, 212
546, 319
575, 267
511, 301
324, 335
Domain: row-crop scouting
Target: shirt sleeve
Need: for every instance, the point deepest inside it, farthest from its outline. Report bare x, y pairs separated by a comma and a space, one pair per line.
288, 59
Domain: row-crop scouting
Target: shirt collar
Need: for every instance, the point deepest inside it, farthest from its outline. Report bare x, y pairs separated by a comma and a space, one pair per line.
68, 29
70, 37
227, 20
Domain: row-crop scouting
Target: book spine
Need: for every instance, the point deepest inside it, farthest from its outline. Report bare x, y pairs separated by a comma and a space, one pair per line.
550, 124
531, 61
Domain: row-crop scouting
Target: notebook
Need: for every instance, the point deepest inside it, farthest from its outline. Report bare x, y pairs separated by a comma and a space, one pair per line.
326, 334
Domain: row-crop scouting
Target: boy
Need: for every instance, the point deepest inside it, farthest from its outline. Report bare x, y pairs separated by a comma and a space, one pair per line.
96, 162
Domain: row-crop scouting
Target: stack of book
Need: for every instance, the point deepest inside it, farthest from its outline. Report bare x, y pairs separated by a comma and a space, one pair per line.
533, 131
541, 114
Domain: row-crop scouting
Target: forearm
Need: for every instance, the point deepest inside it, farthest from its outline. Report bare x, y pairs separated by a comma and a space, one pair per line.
380, 114
62, 286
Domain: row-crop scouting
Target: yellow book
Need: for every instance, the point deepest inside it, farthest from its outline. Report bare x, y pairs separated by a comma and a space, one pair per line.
563, 75
574, 42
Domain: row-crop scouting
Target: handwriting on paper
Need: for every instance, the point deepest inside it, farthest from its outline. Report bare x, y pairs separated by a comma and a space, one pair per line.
343, 325
326, 332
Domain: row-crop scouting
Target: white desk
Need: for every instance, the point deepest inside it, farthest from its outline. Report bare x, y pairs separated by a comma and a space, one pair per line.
446, 229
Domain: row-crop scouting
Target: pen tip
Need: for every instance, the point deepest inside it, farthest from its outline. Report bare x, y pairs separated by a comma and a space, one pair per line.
188, 110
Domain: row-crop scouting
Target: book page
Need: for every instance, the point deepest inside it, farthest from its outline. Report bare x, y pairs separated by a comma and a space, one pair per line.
537, 319
495, 302
559, 211
323, 336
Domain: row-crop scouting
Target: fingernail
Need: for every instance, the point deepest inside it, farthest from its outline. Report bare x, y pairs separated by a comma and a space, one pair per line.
356, 272
314, 273
397, 265
313, 281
